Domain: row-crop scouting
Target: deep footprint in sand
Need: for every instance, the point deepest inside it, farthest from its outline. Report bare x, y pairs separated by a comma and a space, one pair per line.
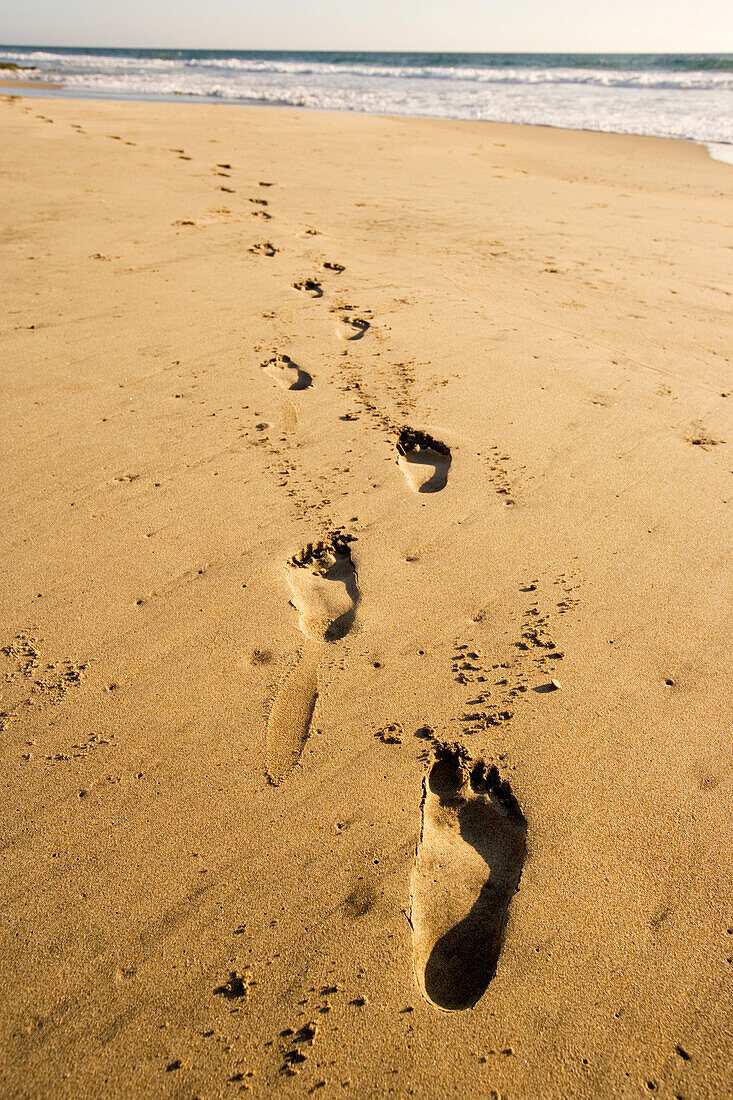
467, 869
287, 373
323, 585
352, 328
423, 460
264, 248
311, 287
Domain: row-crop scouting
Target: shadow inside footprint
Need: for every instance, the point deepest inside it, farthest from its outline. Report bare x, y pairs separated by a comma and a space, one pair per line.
353, 328
309, 286
340, 572
263, 248
467, 870
423, 460
287, 373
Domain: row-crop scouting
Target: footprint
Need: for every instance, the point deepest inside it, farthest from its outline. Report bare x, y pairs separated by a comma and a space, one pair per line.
704, 441
287, 373
309, 286
353, 328
288, 725
467, 869
337, 268
288, 417
322, 581
423, 460
323, 584
264, 248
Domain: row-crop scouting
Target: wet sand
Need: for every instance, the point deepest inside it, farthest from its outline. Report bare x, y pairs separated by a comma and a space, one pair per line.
40, 85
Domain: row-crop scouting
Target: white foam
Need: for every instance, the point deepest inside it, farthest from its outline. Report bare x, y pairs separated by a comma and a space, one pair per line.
695, 105
720, 150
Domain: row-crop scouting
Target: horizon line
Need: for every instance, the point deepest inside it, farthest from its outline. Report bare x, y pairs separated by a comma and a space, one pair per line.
345, 49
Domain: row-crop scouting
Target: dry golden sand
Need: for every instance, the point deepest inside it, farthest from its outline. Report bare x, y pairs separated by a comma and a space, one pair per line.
554, 310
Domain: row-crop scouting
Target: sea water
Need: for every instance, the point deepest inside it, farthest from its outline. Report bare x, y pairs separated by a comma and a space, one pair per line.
687, 96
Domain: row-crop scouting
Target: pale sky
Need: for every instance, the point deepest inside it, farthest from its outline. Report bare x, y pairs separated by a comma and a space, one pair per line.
684, 26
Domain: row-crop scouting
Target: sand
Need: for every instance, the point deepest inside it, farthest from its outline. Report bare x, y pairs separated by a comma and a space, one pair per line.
432, 551
38, 85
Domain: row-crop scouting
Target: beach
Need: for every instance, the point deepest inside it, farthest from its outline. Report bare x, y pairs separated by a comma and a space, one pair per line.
340, 449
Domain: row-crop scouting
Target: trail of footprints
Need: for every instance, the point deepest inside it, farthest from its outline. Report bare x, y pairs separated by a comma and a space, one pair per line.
472, 841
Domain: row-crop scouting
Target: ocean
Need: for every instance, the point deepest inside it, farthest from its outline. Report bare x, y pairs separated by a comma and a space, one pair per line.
687, 96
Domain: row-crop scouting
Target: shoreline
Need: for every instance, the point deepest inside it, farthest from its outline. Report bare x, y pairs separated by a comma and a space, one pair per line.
28, 85
719, 151
334, 441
